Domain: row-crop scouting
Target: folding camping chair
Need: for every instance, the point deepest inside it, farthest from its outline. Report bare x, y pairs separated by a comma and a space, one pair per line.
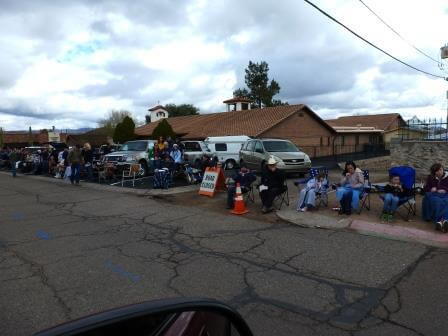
282, 198
321, 197
130, 172
364, 198
249, 194
407, 179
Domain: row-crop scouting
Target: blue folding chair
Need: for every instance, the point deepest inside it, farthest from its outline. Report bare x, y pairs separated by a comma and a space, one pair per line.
321, 197
407, 179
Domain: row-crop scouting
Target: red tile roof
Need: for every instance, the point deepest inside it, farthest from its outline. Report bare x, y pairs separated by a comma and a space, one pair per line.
384, 122
247, 122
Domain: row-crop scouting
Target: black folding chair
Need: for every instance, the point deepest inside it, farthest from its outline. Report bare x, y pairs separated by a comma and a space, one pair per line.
249, 195
364, 198
282, 198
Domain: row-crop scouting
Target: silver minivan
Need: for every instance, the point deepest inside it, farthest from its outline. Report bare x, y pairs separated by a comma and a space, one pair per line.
256, 152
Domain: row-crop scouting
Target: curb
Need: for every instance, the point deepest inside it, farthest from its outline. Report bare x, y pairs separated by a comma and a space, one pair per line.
103, 187
393, 232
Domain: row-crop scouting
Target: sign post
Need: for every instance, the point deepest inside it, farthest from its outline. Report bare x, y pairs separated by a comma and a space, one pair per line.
212, 180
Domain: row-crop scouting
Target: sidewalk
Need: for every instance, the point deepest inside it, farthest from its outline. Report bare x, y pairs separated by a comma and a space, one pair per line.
416, 230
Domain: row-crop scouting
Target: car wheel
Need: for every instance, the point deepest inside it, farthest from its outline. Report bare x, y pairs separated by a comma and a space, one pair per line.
230, 164
143, 169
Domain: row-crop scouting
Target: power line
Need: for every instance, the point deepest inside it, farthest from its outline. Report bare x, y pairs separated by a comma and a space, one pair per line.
399, 35
370, 43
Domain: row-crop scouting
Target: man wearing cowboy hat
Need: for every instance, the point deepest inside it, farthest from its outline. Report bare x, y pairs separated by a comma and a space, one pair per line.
272, 184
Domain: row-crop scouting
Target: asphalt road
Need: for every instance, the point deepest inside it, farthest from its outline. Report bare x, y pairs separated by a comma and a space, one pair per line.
68, 251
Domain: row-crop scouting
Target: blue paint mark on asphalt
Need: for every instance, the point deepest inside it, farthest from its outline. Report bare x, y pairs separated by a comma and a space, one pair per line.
43, 235
119, 270
17, 216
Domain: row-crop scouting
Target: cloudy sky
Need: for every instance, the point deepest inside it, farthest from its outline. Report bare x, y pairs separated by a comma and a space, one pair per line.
67, 63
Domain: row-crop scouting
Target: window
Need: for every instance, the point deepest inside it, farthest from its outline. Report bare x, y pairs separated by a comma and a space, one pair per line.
192, 147
259, 147
244, 106
357, 139
134, 146
343, 140
280, 146
250, 146
321, 141
221, 147
328, 141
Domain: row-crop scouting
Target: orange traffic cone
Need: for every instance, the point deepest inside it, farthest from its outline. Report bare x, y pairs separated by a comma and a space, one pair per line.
240, 207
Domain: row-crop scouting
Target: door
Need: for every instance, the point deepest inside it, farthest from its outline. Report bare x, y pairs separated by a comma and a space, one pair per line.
248, 155
259, 155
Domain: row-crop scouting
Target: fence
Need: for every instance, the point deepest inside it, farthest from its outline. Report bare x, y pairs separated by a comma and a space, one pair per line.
427, 130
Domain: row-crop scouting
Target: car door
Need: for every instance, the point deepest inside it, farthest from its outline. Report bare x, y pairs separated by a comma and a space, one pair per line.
248, 155
258, 155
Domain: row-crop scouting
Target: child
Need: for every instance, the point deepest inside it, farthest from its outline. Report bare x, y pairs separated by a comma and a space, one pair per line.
307, 196
394, 191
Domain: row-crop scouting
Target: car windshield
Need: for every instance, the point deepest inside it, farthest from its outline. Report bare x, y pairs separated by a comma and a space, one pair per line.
134, 146
280, 146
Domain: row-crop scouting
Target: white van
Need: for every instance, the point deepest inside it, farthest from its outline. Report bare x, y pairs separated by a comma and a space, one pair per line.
227, 148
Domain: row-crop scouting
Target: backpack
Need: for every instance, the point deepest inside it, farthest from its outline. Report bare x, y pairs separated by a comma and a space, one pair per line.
162, 179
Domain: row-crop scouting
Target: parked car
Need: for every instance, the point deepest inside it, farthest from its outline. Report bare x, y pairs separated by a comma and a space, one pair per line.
131, 152
255, 153
98, 153
227, 149
194, 151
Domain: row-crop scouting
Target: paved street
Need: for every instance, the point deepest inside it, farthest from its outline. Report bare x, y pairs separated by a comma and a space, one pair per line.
70, 251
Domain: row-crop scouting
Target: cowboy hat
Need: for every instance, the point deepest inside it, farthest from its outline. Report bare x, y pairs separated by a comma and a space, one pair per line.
272, 161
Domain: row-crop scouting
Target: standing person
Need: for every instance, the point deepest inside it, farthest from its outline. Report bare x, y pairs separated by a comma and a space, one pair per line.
45, 159
13, 159
87, 155
394, 191
176, 155
151, 156
75, 159
435, 202
160, 147
272, 185
352, 184
170, 142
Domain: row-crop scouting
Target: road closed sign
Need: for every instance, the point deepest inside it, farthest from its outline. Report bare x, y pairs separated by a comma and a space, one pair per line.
213, 179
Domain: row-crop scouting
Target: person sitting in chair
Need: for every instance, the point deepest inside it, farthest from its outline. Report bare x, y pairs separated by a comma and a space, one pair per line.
272, 185
307, 196
394, 191
349, 192
245, 178
435, 202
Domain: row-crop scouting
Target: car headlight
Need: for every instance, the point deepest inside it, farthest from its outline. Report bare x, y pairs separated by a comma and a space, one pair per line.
130, 158
307, 158
277, 158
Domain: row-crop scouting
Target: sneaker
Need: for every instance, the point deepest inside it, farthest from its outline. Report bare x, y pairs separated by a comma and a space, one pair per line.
439, 226
444, 226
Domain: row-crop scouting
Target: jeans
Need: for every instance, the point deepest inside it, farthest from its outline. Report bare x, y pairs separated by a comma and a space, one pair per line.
344, 193
89, 170
435, 207
390, 203
13, 169
74, 177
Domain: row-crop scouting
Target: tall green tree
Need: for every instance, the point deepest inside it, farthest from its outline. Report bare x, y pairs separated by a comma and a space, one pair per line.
261, 89
163, 129
181, 110
30, 137
124, 131
112, 119
1, 138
